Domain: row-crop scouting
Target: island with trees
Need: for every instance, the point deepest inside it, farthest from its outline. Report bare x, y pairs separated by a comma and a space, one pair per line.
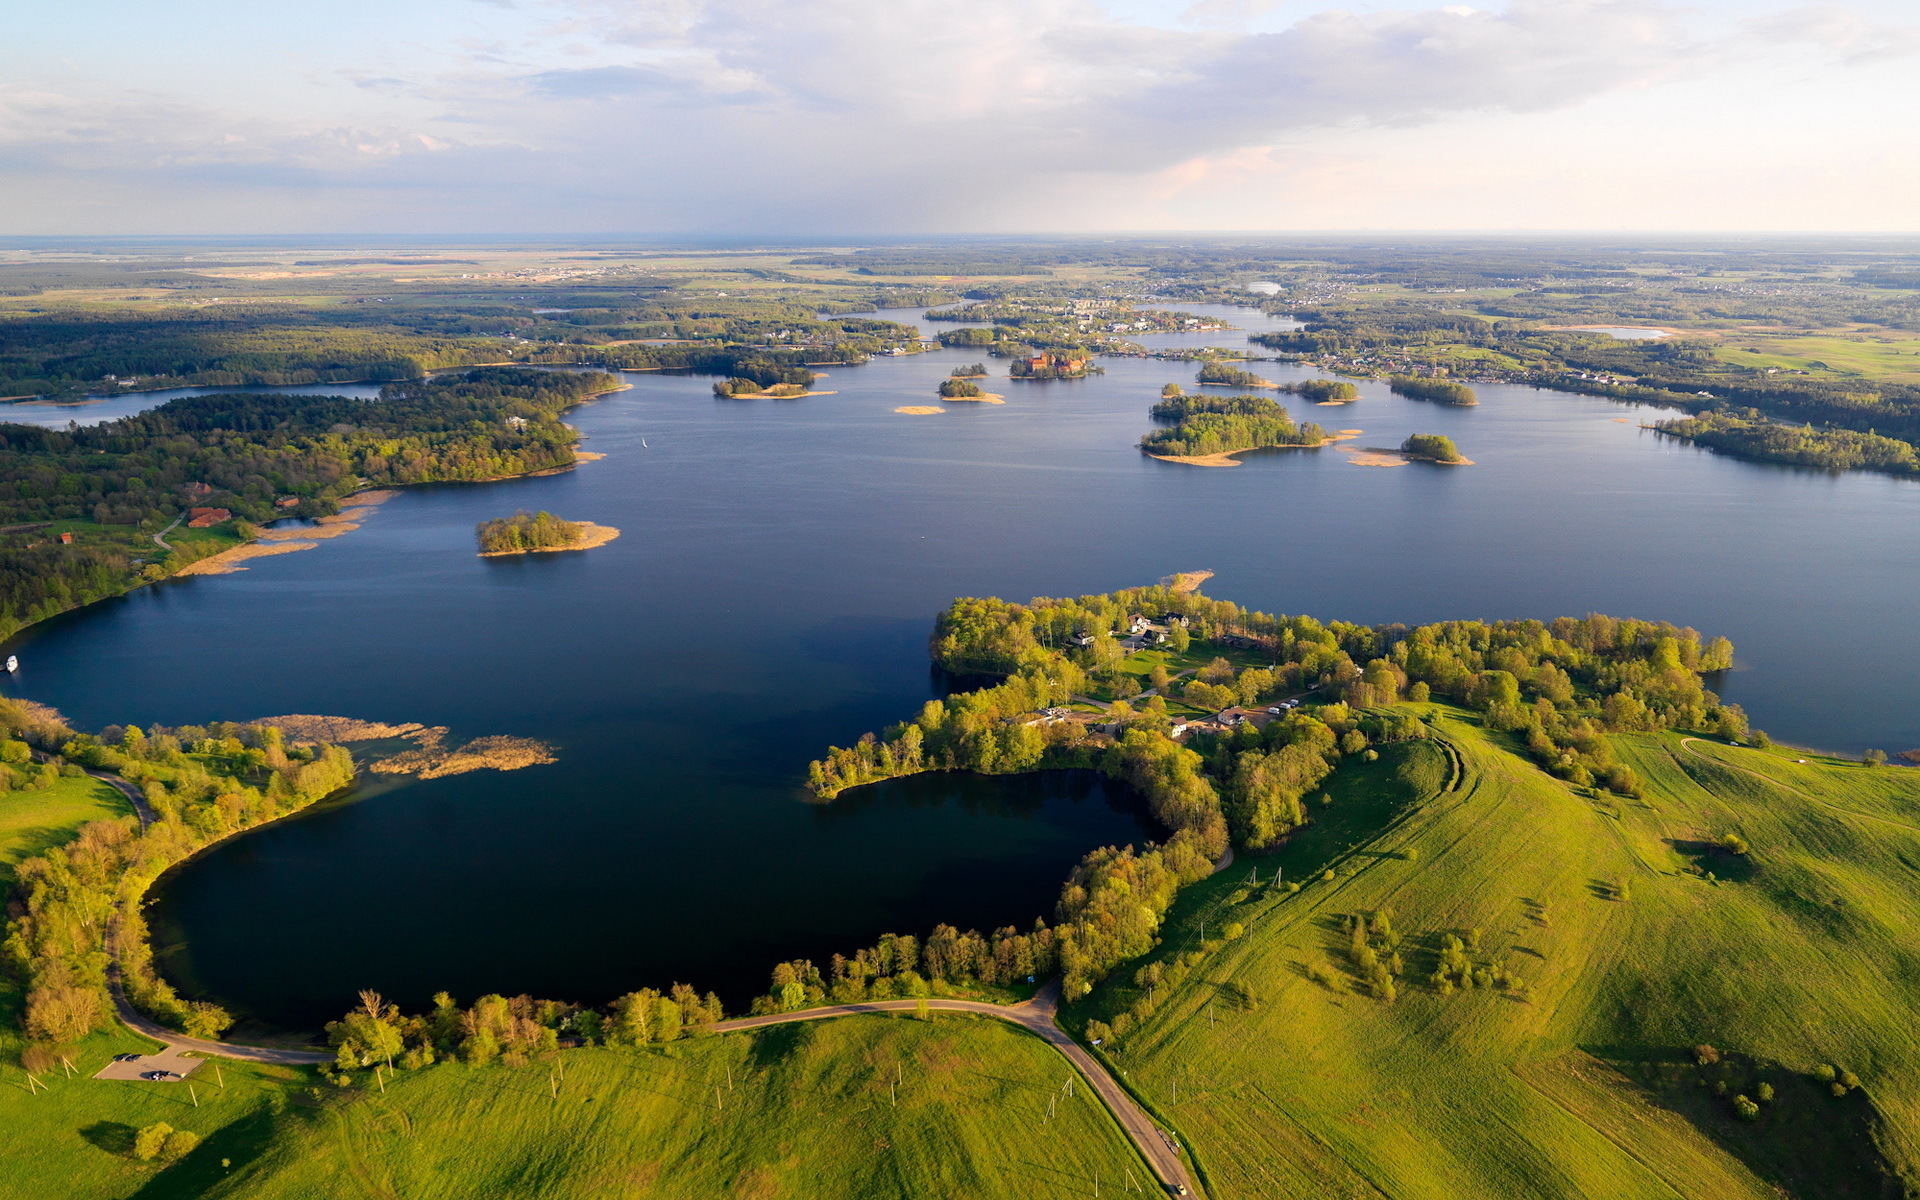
1434, 448
1439, 391
1221, 374
539, 532
1749, 434
960, 389
971, 371
1208, 430
1323, 391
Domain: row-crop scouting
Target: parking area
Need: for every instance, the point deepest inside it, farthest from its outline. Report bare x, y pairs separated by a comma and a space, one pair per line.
169, 1059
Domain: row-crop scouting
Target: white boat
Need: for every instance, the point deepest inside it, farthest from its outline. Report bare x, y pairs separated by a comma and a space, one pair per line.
13, 664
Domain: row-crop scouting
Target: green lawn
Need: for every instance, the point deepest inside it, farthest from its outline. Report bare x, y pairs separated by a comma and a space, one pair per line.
1805, 952
34, 821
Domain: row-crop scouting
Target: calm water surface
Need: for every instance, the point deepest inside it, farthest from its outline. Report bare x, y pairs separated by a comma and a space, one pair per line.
772, 592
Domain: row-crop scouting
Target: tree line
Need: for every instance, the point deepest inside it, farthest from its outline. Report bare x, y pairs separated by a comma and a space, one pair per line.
1440, 391
1751, 435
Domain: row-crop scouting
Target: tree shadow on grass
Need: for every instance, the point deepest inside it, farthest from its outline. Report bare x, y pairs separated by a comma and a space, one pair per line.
110, 1136
1806, 1141
1709, 857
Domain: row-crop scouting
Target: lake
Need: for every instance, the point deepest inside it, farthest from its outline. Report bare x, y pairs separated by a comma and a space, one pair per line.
780, 565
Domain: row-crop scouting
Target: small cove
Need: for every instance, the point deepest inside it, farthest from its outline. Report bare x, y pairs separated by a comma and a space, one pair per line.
772, 591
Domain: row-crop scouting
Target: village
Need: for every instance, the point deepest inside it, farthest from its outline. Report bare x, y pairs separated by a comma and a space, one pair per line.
1145, 643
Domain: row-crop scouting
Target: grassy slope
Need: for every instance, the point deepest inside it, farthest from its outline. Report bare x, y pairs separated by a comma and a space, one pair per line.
809, 1115
32, 822
1811, 959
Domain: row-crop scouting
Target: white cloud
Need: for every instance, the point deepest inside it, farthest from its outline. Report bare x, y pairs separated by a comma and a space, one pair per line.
844, 115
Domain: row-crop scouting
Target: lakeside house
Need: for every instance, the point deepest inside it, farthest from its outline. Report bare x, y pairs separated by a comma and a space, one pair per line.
206, 518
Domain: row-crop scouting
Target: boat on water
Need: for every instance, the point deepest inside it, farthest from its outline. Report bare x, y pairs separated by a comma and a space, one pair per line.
13, 663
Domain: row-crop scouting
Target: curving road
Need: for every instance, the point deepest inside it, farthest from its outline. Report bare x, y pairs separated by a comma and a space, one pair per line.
1035, 1016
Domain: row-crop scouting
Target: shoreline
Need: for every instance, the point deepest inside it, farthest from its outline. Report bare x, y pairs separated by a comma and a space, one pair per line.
982, 398
591, 535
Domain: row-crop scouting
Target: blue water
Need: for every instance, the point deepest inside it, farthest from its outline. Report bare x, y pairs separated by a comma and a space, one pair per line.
772, 591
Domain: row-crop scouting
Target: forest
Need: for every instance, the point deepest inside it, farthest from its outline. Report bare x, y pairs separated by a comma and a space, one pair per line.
1222, 424
259, 456
1749, 434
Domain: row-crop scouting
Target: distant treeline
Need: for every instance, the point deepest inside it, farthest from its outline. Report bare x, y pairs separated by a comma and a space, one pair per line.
1221, 373
1222, 424
247, 452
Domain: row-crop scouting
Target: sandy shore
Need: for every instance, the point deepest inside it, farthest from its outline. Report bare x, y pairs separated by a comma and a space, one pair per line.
982, 398
587, 456
1386, 456
919, 410
591, 535
1186, 581
1228, 458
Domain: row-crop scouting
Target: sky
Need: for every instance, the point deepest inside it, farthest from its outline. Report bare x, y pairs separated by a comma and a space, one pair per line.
827, 117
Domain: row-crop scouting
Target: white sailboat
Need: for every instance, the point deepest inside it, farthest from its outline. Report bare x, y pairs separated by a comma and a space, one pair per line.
13, 664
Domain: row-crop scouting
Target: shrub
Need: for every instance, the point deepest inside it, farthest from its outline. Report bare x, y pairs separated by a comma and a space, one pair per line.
1705, 1055
150, 1141
1874, 758
1764, 1092
1748, 1110
178, 1145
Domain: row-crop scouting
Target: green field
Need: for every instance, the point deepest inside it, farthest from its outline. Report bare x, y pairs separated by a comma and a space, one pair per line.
1875, 355
1804, 951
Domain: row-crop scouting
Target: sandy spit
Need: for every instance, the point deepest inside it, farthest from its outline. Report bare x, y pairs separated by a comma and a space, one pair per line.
982, 398
919, 410
228, 561
1183, 582
591, 535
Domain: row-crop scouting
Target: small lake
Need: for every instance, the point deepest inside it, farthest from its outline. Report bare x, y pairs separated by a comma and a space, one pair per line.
779, 569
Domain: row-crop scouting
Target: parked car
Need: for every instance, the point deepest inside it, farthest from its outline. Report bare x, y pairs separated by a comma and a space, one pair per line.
128, 1057
159, 1076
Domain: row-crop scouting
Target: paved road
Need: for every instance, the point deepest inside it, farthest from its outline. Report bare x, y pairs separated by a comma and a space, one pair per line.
1036, 1016
160, 539
134, 795
173, 1043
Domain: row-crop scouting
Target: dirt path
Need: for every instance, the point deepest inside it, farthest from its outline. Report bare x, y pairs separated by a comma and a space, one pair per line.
1687, 745
1037, 1017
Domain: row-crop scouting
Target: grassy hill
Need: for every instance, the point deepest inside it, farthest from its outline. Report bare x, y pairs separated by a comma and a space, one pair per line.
852, 1107
1288, 1077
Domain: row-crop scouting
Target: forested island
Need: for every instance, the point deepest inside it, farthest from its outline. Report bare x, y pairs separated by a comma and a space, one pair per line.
258, 457
1432, 447
1220, 373
1216, 426
959, 389
1439, 391
1323, 391
532, 533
